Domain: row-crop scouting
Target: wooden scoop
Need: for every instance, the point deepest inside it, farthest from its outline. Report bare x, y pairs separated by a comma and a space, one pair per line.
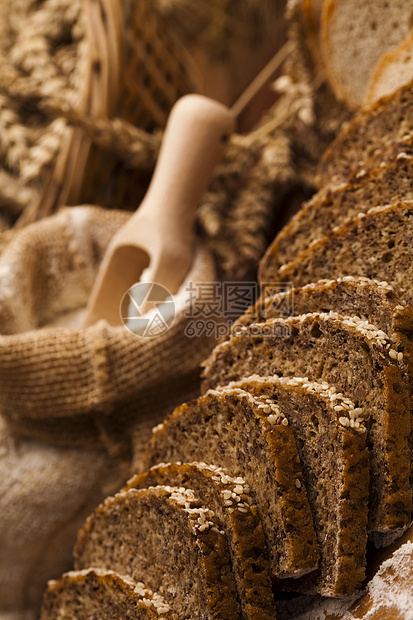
159, 237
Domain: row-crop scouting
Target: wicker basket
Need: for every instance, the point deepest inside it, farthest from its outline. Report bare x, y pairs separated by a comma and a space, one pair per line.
135, 75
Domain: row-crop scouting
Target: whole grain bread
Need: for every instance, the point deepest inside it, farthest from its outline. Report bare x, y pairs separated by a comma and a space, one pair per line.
371, 300
376, 245
354, 36
393, 70
371, 130
103, 594
331, 442
357, 359
165, 537
392, 179
251, 438
229, 499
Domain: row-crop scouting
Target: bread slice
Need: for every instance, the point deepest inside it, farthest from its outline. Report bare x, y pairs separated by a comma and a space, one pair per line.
393, 70
376, 245
97, 593
357, 359
371, 130
331, 442
251, 438
354, 36
371, 300
166, 538
330, 207
229, 499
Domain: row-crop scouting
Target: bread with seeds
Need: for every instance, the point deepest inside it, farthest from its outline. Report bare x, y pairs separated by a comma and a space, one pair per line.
357, 359
165, 537
354, 36
376, 245
228, 497
331, 442
371, 300
377, 302
333, 205
252, 439
97, 593
372, 129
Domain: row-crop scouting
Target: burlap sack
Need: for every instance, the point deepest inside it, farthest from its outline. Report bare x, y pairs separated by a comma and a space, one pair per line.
46, 493
76, 386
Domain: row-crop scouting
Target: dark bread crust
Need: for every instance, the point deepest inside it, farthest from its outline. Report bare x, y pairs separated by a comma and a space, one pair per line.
344, 354
101, 594
335, 463
372, 129
239, 519
232, 431
333, 205
157, 535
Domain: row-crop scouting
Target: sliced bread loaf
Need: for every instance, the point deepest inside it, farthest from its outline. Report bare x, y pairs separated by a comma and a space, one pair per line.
376, 302
393, 70
376, 245
331, 442
387, 121
391, 180
229, 499
354, 36
165, 537
251, 438
103, 594
357, 359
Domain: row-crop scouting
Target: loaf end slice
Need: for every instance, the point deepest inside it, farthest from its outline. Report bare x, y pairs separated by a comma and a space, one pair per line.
228, 497
249, 437
166, 538
97, 593
354, 36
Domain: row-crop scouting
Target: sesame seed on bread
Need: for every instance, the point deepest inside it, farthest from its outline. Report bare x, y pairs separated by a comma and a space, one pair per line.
331, 441
228, 497
251, 438
371, 130
376, 245
165, 537
99, 593
333, 205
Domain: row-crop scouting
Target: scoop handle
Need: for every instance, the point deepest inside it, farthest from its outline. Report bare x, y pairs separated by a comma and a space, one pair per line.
195, 137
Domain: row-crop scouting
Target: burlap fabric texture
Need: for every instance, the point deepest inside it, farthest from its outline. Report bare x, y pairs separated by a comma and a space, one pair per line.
76, 386
46, 493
